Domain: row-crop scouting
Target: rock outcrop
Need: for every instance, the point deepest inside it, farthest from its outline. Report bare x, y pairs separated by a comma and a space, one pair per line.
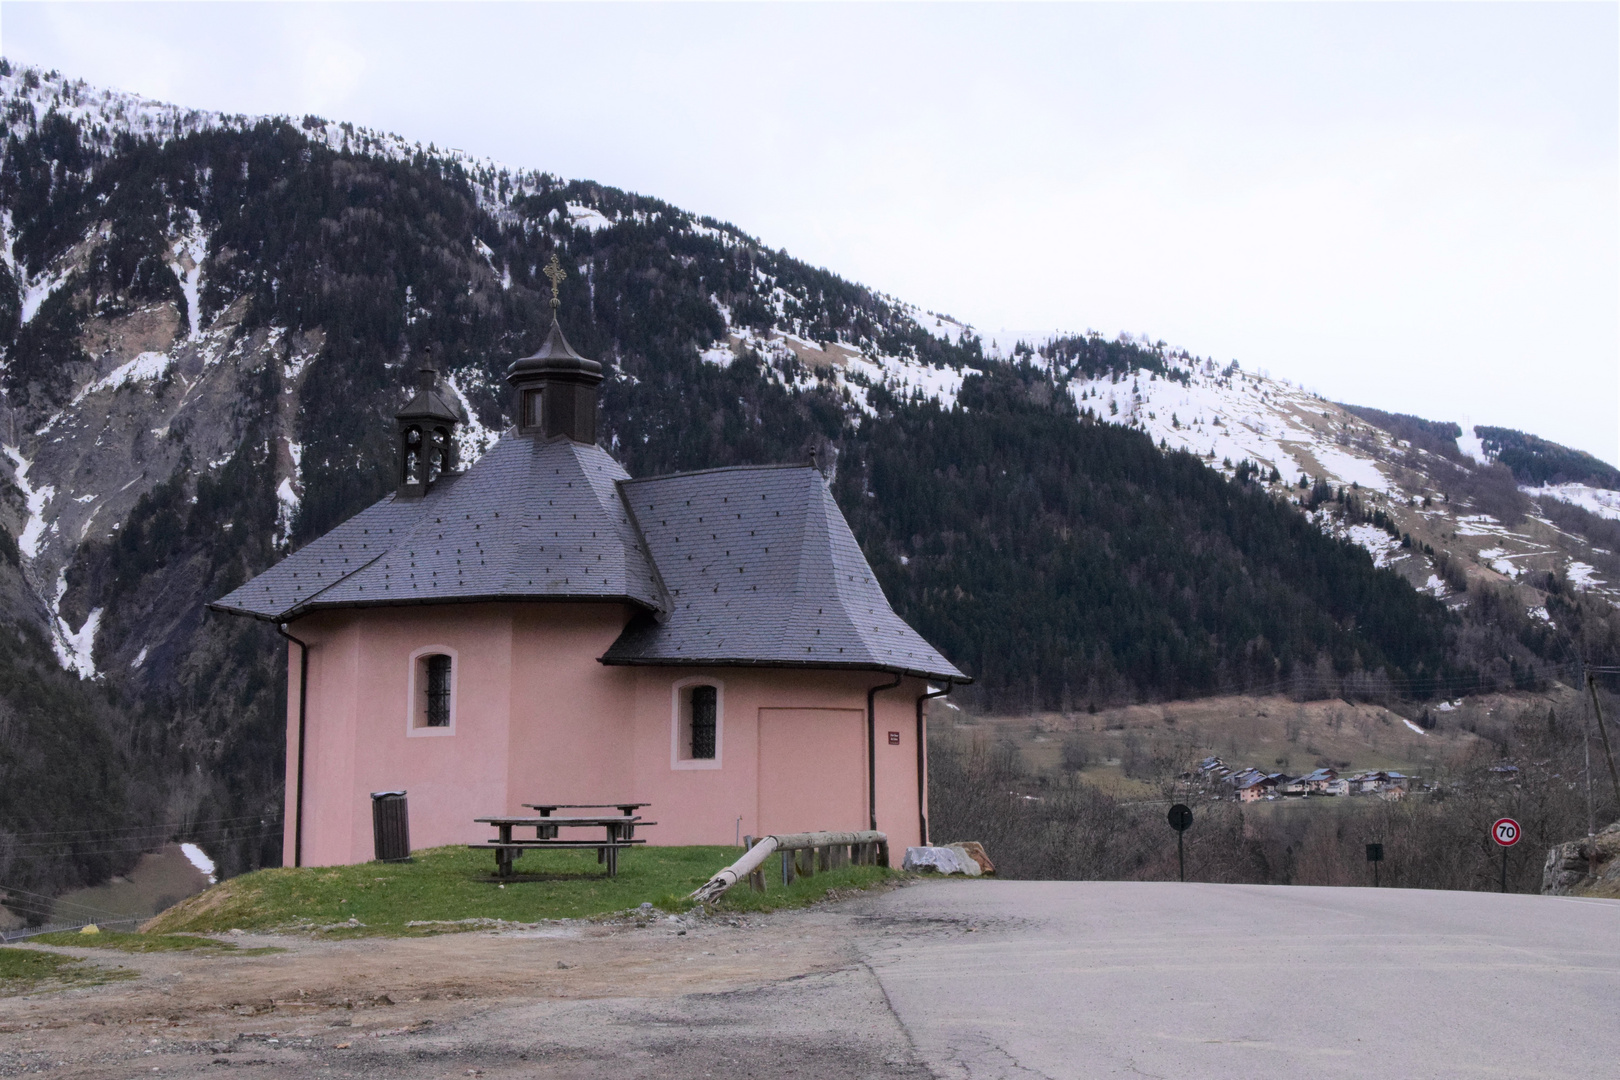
1589, 866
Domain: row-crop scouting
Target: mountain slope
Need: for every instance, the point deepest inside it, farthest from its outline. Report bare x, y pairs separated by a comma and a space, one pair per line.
207, 322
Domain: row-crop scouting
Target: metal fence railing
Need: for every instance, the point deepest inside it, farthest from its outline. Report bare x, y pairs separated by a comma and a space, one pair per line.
22, 933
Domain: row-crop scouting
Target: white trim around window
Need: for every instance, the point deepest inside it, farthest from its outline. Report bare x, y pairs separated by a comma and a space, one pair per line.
416, 692
680, 723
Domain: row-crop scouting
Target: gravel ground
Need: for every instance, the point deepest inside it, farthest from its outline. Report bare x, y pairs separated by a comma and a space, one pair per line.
781, 995
976, 980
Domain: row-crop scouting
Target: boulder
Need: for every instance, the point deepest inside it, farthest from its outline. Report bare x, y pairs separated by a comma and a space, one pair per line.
975, 851
940, 860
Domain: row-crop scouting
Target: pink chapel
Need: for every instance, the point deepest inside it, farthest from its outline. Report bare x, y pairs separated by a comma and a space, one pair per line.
544, 628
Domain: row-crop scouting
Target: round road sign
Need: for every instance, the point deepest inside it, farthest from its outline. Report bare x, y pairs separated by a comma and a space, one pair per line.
1180, 817
1506, 831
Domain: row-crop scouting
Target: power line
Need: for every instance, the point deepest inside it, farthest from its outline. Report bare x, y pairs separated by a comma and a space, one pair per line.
153, 839
171, 826
35, 899
34, 856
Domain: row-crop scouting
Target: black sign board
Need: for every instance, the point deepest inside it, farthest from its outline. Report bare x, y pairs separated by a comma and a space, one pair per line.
1181, 817
1375, 852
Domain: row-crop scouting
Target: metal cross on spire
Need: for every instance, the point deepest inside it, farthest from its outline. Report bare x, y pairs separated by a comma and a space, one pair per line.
556, 273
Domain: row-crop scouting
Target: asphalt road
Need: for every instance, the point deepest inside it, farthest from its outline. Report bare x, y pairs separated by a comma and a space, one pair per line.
1102, 979
944, 979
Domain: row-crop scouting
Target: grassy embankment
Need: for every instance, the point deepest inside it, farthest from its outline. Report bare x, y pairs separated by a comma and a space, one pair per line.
450, 888
146, 943
24, 970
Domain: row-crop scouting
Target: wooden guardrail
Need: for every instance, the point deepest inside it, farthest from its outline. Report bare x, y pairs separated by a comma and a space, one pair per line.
802, 855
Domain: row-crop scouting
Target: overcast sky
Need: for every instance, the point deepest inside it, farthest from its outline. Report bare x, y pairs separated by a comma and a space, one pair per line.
1406, 206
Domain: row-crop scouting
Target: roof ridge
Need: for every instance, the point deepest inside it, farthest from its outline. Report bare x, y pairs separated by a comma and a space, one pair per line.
716, 469
666, 602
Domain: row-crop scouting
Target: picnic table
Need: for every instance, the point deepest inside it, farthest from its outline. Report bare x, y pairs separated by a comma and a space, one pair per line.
619, 833
627, 809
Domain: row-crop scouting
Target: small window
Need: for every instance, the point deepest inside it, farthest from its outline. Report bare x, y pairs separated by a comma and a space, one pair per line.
698, 724
705, 705
438, 690
532, 416
433, 692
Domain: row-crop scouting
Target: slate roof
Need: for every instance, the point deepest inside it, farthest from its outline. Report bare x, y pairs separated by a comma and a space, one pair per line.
739, 566
531, 520
761, 569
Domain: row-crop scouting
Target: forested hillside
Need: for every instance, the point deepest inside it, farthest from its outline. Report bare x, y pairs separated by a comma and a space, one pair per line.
206, 324
1069, 562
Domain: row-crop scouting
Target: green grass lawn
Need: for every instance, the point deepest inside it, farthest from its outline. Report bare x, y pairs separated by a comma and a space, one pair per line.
23, 970
451, 888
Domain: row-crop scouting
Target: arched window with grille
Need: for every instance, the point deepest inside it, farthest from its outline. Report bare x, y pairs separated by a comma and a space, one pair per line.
432, 691
697, 724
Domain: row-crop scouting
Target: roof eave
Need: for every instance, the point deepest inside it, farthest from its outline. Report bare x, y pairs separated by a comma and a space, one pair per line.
229, 609
497, 598
956, 679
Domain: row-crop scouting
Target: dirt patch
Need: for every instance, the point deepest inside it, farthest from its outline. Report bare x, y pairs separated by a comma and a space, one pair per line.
439, 999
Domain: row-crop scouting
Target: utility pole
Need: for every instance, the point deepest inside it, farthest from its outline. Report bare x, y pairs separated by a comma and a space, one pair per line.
1591, 686
1591, 819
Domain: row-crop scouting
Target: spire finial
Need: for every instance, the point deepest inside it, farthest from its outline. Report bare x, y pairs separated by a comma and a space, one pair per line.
556, 273
427, 375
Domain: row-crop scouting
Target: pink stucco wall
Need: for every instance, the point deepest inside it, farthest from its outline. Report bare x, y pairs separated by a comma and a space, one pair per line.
537, 719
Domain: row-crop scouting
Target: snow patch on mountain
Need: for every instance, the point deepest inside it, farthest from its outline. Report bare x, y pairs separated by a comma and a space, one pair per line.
38, 500
941, 326
287, 506
1600, 501
1497, 559
1485, 525
143, 368
913, 379
73, 647
190, 249
1583, 575
1227, 416
1471, 445
289, 493
1349, 468
39, 288
472, 438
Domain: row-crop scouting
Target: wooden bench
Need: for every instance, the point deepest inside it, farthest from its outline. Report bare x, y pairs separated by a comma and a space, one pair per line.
619, 834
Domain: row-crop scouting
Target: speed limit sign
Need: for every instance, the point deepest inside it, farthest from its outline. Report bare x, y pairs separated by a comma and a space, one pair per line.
1505, 832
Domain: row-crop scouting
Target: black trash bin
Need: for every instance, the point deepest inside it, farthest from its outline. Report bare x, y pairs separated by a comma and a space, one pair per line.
390, 826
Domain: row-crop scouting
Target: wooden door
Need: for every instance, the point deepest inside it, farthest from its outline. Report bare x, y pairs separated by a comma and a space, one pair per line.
812, 770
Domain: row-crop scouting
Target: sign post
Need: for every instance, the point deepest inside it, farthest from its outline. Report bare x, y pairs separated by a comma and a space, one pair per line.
1506, 833
1375, 855
1180, 820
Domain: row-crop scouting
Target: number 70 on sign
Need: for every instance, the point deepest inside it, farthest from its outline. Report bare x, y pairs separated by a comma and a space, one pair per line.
1505, 831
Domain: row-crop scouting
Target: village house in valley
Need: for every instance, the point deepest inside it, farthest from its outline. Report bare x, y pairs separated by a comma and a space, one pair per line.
542, 628
1252, 784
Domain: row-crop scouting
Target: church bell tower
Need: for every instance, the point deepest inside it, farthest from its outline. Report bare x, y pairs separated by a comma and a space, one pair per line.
426, 435
554, 391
